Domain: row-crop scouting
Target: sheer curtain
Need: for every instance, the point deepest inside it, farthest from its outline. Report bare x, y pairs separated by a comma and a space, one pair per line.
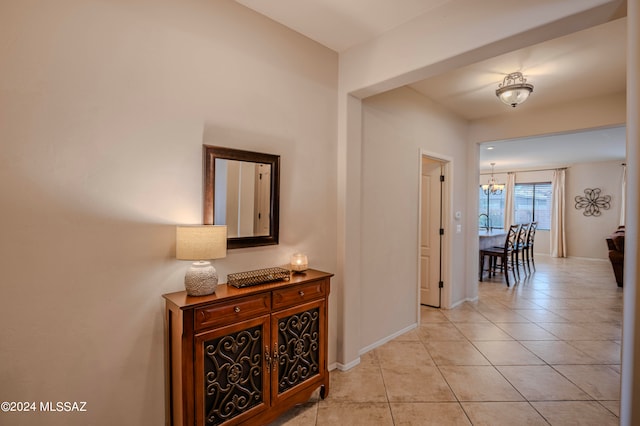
558, 243
623, 197
508, 200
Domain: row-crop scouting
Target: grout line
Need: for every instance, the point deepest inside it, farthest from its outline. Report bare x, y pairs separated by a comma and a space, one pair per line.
511, 300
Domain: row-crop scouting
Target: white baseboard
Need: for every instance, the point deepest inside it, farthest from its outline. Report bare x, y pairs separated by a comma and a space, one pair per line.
548, 256
588, 258
344, 367
386, 339
460, 302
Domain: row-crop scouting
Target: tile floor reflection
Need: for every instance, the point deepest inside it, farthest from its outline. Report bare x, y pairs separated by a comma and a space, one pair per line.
545, 351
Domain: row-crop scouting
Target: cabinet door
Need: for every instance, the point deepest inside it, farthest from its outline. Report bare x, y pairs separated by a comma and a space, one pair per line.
299, 340
232, 376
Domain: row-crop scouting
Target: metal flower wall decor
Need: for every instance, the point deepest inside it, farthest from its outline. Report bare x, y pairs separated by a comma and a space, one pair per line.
592, 202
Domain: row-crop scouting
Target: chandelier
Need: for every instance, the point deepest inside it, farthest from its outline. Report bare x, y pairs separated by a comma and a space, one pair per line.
492, 187
514, 89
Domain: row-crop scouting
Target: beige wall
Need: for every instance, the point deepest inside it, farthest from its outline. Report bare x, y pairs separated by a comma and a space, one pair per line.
586, 235
104, 108
397, 125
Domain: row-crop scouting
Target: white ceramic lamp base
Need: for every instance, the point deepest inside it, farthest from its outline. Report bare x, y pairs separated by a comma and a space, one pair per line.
201, 279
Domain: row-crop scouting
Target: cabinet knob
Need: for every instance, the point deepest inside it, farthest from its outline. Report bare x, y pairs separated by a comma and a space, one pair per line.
301, 293
236, 309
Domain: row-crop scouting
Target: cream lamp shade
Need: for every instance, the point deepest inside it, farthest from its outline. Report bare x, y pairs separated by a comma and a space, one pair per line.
201, 243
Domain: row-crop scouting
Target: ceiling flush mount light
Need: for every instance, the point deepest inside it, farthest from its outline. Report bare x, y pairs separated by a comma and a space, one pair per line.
492, 187
514, 89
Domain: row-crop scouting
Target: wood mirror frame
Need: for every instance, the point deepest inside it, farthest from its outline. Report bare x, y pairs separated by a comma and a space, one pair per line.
210, 154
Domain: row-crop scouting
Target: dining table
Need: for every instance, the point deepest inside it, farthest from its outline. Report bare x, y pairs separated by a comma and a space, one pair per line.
491, 238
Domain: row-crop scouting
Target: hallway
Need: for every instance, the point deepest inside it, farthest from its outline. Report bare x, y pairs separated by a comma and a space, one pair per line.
545, 351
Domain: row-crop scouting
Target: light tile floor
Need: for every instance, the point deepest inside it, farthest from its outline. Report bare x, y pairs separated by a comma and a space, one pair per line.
545, 351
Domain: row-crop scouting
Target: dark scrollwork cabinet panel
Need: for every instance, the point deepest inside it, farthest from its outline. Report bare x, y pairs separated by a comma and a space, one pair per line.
300, 358
230, 371
245, 356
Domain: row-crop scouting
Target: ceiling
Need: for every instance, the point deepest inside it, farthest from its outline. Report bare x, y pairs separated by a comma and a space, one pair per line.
341, 24
561, 70
554, 150
584, 64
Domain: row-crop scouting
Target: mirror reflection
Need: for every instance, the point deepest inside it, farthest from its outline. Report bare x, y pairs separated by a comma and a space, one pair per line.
242, 197
241, 190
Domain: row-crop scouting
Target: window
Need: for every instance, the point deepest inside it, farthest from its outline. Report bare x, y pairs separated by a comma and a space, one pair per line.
532, 202
491, 205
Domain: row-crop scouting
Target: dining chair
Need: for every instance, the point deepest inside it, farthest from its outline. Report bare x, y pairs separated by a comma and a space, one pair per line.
505, 254
521, 249
531, 235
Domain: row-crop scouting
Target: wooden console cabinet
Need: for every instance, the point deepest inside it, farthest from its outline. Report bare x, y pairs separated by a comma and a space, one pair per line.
245, 356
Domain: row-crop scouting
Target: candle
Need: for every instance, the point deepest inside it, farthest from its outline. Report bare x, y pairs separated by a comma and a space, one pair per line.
299, 262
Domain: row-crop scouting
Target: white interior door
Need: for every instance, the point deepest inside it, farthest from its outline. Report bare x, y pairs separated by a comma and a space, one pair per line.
430, 238
262, 214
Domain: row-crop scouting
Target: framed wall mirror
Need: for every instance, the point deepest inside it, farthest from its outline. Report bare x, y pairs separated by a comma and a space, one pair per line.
242, 191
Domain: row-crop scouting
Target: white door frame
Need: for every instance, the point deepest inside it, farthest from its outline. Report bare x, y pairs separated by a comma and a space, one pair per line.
447, 199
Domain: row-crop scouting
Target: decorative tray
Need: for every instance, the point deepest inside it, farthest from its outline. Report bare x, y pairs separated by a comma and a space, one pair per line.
259, 276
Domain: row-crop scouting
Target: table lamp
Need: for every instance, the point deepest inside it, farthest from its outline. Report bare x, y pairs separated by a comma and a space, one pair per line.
201, 243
